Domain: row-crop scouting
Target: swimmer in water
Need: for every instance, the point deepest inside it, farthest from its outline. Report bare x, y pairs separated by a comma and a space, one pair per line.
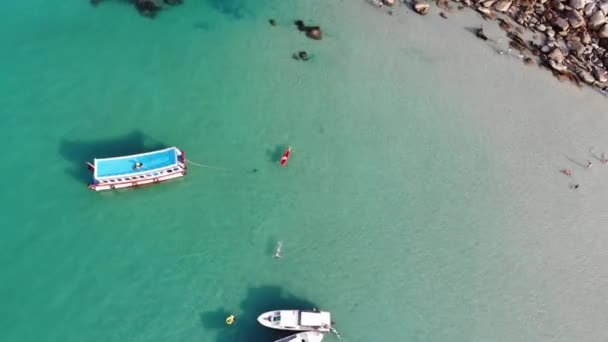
278, 253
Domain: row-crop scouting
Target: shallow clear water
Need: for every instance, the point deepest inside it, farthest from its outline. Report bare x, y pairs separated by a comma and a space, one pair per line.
377, 225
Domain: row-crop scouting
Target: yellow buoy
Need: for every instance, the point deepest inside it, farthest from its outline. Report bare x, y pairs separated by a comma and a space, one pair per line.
230, 319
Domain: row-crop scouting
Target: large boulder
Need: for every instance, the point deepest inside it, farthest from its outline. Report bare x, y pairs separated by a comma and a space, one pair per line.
586, 76
597, 20
421, 7
575, 19
577, 4
600, 75
556, 55
589, 9
576, 46
560, 24
603, 32
557, 66
603, 5
503, 5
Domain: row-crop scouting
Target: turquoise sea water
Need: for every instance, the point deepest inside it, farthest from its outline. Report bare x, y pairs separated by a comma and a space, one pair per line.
384, 208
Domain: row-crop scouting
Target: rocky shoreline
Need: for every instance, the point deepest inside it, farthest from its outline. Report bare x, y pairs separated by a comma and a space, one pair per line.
567, 37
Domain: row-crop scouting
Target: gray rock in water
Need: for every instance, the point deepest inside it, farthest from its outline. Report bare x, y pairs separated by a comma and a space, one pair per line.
545, 49
575, 19
577, 4
541, 27
597, 19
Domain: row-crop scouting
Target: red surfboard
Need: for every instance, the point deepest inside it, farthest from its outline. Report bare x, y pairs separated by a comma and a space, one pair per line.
285, 157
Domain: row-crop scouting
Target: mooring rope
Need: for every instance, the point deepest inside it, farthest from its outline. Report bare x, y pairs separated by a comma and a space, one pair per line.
207, 166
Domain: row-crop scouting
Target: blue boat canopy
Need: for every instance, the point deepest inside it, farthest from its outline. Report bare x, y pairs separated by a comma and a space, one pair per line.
137, 164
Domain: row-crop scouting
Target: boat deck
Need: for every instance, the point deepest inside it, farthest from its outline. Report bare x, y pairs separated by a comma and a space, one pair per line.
111, 167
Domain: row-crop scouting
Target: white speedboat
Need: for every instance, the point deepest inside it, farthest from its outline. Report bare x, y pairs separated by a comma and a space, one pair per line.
296, 320
306, 336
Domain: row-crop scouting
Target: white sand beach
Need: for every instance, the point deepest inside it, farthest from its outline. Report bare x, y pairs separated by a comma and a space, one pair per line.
537, 126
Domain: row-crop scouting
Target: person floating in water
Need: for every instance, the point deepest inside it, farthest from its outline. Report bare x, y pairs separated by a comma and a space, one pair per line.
278, 253
138, 166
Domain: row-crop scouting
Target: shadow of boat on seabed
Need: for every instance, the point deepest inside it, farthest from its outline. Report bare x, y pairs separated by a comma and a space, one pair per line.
78, 152
246, 326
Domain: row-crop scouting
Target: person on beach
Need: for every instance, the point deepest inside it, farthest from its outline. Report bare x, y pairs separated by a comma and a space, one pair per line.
575, 187
567, 172
588, 164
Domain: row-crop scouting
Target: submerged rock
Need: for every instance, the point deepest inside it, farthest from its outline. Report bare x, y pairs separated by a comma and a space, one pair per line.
301, 55
314, 33
480, 33
149, 8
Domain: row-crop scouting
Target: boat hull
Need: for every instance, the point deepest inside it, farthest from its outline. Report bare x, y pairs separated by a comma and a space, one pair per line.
285, 158
135, 184
176, 167
291, 320
307, 336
